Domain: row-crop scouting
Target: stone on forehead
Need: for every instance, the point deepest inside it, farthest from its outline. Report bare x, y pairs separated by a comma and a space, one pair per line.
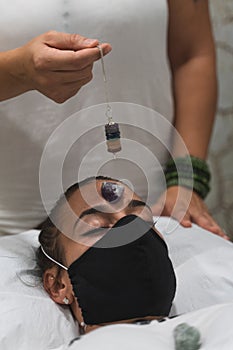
111, 191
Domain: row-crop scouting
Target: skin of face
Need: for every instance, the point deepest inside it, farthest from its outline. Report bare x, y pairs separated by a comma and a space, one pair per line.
81, 225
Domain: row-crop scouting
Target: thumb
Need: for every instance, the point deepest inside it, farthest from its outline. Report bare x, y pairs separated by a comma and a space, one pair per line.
66, 41
157, 209
183, 217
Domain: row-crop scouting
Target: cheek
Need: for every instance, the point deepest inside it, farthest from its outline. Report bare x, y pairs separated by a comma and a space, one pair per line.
143, 213
95, 222
89, 241
68, 284
73, 251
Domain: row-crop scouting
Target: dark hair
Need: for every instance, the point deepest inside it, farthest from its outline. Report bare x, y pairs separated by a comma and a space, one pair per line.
49, 236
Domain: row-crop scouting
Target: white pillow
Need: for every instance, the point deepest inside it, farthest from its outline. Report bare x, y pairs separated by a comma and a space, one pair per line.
29, 319
203, 264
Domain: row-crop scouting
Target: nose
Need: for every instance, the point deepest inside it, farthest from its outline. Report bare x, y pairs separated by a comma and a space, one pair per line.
119, 215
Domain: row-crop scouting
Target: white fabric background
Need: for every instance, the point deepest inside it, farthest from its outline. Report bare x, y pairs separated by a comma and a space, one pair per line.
220, 200
137, 70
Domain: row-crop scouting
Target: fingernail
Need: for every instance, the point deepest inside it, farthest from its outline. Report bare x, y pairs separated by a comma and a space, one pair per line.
108, 49
90, 41
186, 223
226, 237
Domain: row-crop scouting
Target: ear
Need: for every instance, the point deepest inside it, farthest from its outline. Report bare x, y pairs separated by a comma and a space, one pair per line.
58, 285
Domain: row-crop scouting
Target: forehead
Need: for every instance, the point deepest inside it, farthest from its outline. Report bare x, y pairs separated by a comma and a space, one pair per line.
90, 195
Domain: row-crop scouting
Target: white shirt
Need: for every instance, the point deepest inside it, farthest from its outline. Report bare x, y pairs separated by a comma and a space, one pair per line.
138, 73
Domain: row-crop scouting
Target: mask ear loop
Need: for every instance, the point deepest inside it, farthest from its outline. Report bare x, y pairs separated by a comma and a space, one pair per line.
155, 221
82, 325
53, 260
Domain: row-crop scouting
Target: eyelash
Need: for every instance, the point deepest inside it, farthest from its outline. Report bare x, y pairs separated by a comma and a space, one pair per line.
99, 229
96, 230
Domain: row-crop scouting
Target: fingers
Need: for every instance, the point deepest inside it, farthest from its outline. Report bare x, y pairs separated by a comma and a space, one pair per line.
52, 59
63, 91
167, 209
59, 86
66, 41
90, 55
70, 51
205, 221
198, 213
59, 64
187, 208
62, 95
69, 77
176, 203
158, 208
183, 217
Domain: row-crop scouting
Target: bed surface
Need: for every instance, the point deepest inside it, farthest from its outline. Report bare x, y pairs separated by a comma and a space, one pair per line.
29, 319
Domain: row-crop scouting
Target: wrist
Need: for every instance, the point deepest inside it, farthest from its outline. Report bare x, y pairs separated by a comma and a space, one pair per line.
15, 68
189, 172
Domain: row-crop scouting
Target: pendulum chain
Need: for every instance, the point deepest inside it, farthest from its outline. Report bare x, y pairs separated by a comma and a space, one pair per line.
112, 131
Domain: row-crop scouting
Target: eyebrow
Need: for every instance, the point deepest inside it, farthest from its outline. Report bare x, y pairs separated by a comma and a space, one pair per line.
100, 209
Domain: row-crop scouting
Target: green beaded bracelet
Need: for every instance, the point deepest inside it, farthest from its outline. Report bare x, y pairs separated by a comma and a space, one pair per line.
190, 172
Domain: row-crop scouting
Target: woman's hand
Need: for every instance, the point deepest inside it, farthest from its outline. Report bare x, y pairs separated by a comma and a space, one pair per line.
56, 64
186, 207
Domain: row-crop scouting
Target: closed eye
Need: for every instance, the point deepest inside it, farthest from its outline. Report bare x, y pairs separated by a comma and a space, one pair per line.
102, 230
134, 203
97, 230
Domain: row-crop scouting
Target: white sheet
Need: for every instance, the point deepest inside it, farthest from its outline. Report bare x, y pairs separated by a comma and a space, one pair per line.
29, 319
214, 323
203, 264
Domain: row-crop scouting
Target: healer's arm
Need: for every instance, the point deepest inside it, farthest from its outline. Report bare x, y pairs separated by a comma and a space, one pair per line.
191, 53
192, 58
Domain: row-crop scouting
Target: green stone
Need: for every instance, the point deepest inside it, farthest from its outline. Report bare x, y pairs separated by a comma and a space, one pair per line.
187, 337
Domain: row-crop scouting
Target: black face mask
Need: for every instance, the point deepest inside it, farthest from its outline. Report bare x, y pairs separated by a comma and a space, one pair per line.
133, 280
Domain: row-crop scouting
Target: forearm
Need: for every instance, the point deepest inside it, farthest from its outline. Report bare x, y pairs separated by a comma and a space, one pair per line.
195, 95
12, 78
191, 52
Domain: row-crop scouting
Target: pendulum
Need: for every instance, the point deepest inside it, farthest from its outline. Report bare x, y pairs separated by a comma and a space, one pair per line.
112, 131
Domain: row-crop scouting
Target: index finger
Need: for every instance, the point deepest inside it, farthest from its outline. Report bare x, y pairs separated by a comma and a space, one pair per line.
65, 60
208, 223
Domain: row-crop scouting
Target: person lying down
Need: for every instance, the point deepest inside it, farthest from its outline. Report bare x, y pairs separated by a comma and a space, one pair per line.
101, 255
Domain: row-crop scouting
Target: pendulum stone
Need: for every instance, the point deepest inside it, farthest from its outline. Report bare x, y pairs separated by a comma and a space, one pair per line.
113, 135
